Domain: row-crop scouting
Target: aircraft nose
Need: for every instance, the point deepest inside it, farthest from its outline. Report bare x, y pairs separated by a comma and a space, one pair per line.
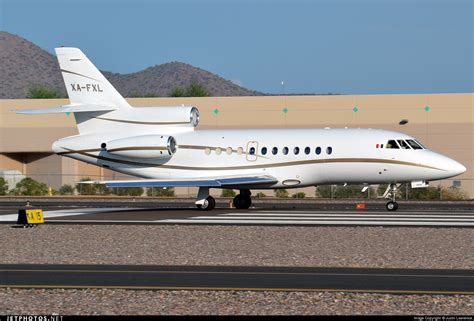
456, 168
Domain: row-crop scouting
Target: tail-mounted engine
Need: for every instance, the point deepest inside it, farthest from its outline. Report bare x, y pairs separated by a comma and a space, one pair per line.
145, 146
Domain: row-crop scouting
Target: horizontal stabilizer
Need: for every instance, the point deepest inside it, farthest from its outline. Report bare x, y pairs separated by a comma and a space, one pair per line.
190, 182
75, 108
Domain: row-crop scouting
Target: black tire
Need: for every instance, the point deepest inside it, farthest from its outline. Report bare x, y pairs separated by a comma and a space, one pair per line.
391, 206
242, 202
209, 204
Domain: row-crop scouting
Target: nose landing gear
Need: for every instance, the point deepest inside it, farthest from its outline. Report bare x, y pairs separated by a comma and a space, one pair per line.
390, 193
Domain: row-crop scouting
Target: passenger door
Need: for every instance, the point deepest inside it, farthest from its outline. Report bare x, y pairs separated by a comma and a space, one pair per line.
252, 150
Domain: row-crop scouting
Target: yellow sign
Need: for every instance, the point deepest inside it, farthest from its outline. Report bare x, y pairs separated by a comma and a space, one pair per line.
34, 216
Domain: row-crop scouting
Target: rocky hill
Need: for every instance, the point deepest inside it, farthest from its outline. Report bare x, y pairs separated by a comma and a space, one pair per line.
24, 64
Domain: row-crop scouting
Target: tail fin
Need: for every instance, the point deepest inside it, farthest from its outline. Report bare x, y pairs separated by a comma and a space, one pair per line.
85, 84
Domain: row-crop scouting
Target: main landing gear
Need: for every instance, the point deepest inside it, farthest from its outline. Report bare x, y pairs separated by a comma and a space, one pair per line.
390, 193
204, 201
243, 201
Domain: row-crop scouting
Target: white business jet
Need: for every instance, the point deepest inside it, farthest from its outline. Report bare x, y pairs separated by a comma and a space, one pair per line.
161, 146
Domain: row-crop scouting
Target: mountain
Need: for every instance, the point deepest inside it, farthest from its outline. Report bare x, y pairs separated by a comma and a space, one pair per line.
24, 64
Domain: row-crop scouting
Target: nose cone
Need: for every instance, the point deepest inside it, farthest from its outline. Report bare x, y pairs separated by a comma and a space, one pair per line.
455, 168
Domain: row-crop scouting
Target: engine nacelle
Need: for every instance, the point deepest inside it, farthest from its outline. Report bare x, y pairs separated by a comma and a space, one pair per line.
144, 146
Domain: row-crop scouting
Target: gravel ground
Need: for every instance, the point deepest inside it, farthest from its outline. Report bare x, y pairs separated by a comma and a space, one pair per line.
448, 248
107, 301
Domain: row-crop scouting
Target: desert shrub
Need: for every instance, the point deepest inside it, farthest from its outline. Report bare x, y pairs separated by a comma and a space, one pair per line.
228, 193
260, 195
3, 186
349, 191
323, 191
454, 194
66, 189
30, 187
160, 191
281, 193
128, 191
91, 189
299, 195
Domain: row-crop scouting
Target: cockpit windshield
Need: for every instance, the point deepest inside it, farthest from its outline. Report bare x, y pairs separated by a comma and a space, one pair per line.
392, 144
404, 144
414, 144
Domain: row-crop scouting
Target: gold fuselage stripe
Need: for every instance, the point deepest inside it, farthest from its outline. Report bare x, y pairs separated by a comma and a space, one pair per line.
259, 166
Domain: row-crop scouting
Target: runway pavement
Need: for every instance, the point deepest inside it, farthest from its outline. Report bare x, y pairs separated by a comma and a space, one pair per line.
222, 216
238, 278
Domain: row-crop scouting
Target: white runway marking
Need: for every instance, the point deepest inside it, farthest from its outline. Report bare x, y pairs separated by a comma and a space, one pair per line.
64, 213
236, 217
330, 218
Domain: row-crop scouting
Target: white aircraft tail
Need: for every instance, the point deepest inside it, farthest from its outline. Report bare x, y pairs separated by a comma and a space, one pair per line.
85, 84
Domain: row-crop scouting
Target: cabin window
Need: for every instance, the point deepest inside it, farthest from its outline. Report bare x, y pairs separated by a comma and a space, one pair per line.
392, 144
207, 151
318, 150
252, 151
275, 150
329, 150
264, 151
403, 144
307, 150
285, 150
218, 150
296, 150
240, 151
414, 144
228, 150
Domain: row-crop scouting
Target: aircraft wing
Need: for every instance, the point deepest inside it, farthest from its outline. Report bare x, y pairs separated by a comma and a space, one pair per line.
73, 108
191, 182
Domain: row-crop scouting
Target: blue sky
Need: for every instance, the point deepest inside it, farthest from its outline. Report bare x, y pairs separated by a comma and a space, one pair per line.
351, 47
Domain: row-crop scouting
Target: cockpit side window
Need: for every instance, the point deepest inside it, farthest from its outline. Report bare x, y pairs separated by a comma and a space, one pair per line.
414, 144
403, 144
392, 144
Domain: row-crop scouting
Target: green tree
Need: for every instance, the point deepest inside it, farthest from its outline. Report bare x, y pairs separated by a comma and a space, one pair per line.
196, 89
66, 189
281, 193
260, 195
160, 191
178, 92
87, 188
30, 187
228, 193
3, 186
43, 92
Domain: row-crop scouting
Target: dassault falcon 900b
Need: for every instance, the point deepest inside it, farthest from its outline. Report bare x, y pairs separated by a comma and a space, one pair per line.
161, 146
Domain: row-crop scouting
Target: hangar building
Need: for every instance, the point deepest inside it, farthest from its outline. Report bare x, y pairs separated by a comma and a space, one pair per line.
442, 122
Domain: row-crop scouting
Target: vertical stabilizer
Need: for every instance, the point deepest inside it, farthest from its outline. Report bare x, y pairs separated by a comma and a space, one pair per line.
85, 84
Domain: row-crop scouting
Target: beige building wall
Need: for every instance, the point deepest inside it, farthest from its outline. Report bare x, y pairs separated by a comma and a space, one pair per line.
443, 122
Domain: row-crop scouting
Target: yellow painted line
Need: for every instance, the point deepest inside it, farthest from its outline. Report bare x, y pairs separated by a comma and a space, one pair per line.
235, 272
231, 289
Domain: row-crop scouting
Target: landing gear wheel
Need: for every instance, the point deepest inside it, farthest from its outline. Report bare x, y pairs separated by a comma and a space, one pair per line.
392, 206
242, 202
209, 204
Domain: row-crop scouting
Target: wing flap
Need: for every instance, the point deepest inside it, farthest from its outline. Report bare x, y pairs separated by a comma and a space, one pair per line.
193, 182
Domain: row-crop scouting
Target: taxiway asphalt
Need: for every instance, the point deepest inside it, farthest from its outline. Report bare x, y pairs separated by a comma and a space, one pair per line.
422, 281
